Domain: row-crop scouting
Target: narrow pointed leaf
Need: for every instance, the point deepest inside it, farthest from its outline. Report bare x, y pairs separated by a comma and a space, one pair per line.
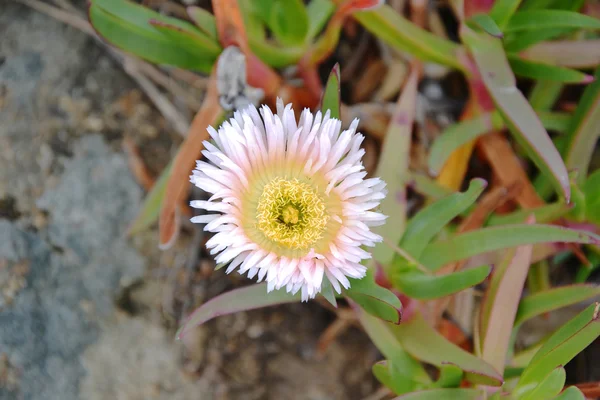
427, 345
393, 169
147, 43
331, 97
563, 346
319, 12
544, 214
457, 135
537, 70
327, 292
503, 10
591, 190
550, 19
517, 112
243, 299
520, 41
585, 130
204, 20
289, 21
419, 285
194, 42
469, 244
429, 221
485, 23
553, 299
388, 25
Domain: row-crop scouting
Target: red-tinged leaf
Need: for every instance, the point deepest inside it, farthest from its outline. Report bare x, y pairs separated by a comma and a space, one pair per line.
183, 164
393, 168
518, 114
500, 305
426, 344
243, 299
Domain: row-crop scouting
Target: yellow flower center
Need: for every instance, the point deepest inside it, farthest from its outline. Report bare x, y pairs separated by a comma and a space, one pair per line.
291, 213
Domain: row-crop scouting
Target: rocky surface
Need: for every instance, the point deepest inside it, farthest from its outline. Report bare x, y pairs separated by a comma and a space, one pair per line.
85, 311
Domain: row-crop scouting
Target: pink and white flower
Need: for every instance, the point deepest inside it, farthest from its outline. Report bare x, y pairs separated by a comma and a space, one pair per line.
290, 203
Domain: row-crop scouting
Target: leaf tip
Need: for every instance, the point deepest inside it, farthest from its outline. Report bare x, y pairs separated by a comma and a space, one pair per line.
588, 79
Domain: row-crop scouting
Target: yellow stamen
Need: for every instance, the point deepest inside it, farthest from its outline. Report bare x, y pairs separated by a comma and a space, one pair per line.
291, 213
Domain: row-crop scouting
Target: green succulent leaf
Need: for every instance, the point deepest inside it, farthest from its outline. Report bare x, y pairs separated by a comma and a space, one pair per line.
427, 345
537, 70
550, 19
469, 244
419, 285
561, 347
374, 299
429, 221
552, 299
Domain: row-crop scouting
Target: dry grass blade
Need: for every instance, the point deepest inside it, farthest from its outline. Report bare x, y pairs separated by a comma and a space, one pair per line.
566, 53
507, 167
500, 306
136, 165
454, 170
188, 153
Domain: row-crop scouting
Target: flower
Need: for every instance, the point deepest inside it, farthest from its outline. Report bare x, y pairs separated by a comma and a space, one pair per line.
290, 202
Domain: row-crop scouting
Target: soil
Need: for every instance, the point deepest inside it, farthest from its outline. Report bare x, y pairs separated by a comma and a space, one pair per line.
87, 312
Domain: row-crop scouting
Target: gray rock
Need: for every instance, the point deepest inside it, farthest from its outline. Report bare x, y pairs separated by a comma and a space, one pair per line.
76, 266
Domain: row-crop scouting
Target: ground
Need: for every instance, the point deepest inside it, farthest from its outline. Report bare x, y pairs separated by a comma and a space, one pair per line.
87, 312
